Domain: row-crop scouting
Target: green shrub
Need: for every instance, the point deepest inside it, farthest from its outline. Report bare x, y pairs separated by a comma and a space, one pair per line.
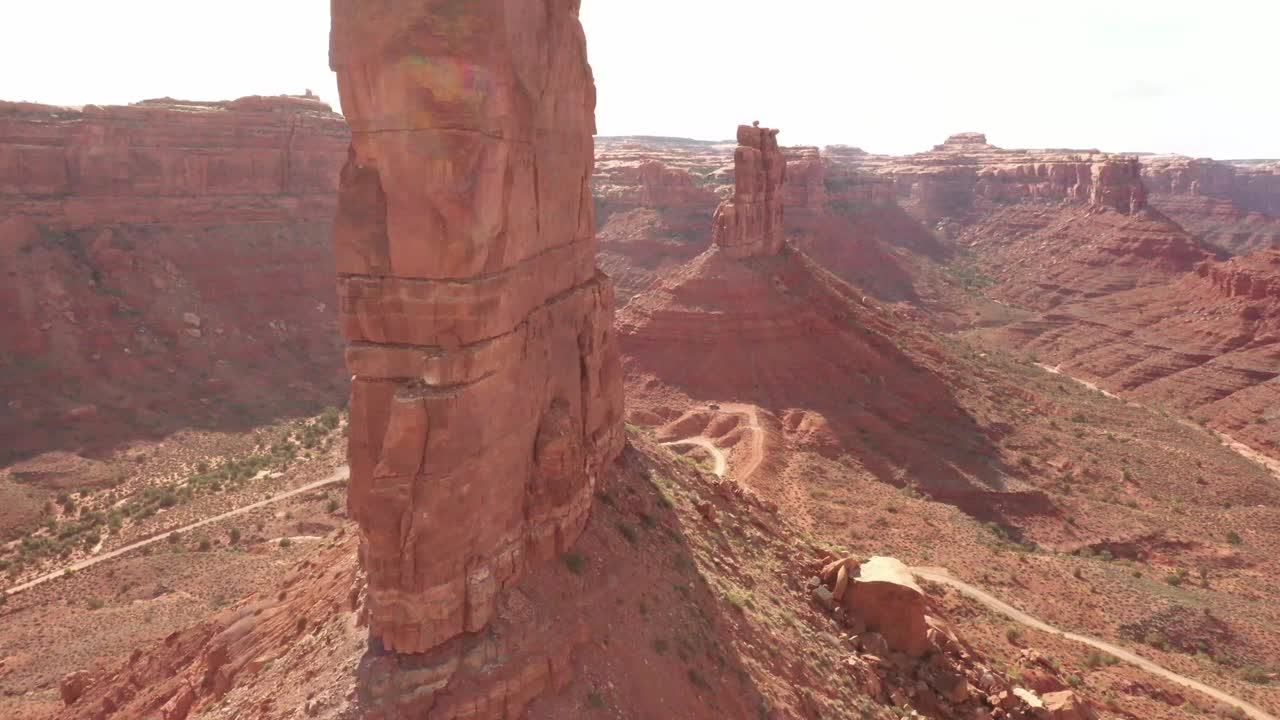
576, 563
628, 532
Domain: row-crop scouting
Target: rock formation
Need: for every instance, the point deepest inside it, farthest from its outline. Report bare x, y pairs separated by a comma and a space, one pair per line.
142, 244
1117, 183
750, 223
486, 394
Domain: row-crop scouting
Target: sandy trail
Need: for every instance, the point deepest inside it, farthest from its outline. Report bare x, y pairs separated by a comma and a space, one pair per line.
338, 475
755, 454
941, 575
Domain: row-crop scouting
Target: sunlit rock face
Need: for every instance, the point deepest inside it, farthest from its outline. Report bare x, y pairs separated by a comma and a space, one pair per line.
487, 392
750, 223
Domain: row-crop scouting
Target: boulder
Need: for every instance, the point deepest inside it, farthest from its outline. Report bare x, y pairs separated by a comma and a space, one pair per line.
1065, 705
884, 593
72, 687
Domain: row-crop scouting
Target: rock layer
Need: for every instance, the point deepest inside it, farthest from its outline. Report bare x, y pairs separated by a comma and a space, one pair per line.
141, 244
750, 223
487, 393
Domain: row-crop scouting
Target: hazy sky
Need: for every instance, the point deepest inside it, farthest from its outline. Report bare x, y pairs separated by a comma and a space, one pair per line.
897, 76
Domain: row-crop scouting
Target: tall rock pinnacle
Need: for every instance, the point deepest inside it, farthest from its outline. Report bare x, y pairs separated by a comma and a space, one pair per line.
487, 391
750, 223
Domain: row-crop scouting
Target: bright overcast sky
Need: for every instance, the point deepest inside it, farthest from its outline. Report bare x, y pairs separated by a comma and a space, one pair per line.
897, 76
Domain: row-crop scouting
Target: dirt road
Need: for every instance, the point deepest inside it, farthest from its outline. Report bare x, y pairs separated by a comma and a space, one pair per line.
942, 576
338, 475
721, 464
755, 454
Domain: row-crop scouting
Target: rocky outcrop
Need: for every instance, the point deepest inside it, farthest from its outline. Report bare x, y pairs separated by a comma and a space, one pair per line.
1233, 207
486, 395
750, 223
141, 244
1117, 184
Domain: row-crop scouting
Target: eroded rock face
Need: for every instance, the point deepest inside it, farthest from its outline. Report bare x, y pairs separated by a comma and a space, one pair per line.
750, 223
117, 222
487, 392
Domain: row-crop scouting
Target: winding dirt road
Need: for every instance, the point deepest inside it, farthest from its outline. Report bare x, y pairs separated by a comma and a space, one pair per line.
338, 475
704, 442
755, 455
942, 576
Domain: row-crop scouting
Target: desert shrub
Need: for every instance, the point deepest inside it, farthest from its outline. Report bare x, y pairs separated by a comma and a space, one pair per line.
1256, 675
628, 532
575, 562
1233, 537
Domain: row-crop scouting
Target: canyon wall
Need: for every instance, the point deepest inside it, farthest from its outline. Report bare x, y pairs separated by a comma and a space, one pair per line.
166, 263
1234, 208
487, 391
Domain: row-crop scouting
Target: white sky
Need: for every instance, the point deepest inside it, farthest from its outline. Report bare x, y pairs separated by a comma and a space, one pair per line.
1192, 76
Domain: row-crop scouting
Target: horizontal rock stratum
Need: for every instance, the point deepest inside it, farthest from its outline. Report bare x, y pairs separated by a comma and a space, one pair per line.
487, 391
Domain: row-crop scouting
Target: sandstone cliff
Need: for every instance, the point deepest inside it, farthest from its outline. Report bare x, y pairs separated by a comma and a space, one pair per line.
166, 262
487, 396
1233, 208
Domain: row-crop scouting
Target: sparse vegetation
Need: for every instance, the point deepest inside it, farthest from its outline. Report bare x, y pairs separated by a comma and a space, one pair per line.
576, 563
627, 532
